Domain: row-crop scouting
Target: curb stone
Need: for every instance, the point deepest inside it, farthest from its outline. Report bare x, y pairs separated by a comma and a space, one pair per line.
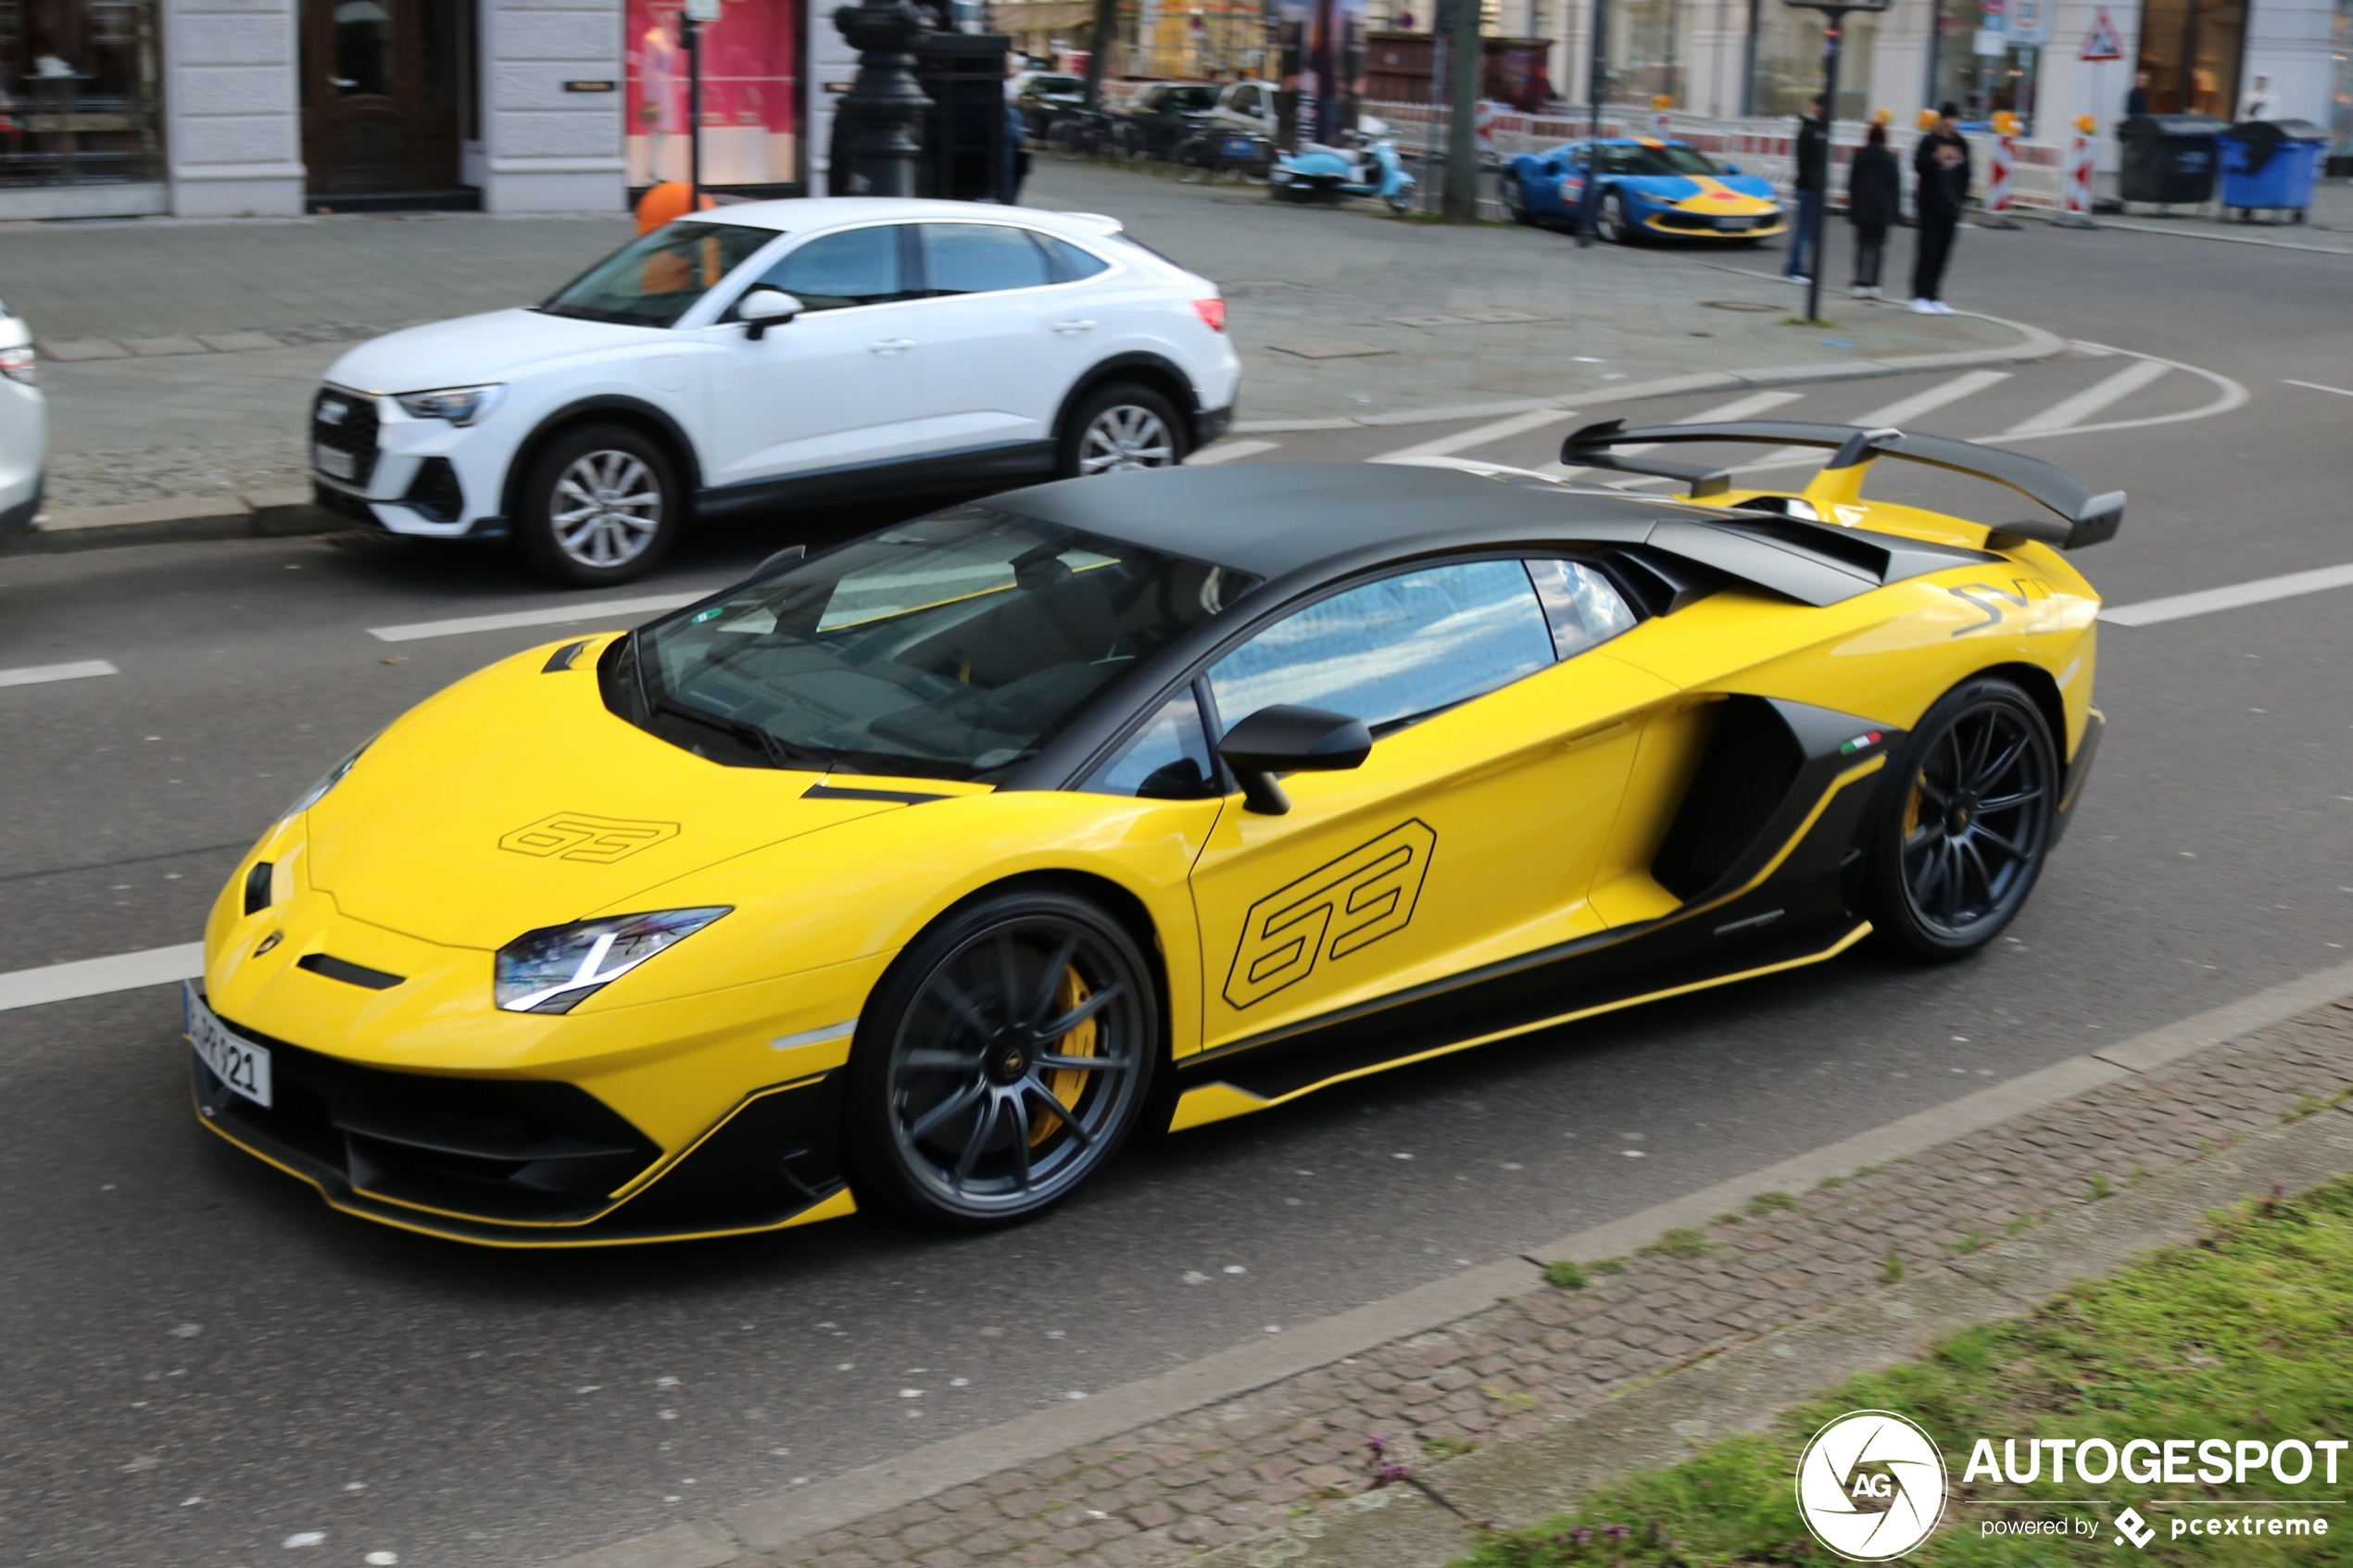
284, 513
1658, 1423
805, 1518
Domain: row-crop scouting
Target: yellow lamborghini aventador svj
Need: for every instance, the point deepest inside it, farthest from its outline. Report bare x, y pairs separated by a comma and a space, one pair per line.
917, 870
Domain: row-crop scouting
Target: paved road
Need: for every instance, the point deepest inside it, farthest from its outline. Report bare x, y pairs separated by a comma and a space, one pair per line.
199, 1362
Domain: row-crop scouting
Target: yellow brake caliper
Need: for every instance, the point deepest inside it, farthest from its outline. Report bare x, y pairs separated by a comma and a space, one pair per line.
1064, 1083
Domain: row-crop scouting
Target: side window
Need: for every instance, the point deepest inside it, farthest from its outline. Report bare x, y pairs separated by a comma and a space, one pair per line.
1580, 605
1168, 759
1070, 263
1246, 101
1393, 649
833, 271
980, 258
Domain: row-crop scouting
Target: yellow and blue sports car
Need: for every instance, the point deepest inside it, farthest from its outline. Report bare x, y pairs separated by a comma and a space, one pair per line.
1648, 188
917, 872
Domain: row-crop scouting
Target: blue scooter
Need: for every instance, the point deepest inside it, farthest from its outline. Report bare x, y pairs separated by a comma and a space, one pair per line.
1368, 166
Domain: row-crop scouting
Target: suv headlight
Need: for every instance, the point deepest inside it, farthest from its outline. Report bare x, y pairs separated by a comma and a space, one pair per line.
557, 968
459, 405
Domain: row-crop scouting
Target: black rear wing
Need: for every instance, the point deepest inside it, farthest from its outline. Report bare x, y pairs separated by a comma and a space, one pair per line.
2087, 517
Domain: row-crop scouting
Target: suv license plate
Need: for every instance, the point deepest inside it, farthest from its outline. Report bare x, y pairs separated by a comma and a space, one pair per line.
334, 464
237, 1061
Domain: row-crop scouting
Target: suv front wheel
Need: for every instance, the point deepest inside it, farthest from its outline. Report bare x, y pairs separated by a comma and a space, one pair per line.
599, 505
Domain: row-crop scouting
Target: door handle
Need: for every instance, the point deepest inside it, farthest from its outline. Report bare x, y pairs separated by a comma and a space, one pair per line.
1073, 326
894, 346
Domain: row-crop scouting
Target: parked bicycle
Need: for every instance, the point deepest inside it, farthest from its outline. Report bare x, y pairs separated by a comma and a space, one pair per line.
1078, 133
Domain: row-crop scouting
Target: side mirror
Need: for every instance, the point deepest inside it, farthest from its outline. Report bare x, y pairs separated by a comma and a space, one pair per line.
764, 308
1732, 169
1289, 739
778, 561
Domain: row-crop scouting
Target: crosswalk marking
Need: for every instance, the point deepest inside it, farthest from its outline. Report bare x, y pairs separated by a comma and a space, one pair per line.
2318, 386
40, 674
1228, 452
99, 977
1479, 435
2069, 412
1904, 410
607, 610
2180, 607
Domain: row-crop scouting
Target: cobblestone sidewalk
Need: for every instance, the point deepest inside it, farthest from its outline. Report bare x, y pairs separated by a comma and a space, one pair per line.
180, 359
1221, 1474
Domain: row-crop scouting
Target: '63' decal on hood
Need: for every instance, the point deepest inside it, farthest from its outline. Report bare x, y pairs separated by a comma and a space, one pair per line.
1332, 911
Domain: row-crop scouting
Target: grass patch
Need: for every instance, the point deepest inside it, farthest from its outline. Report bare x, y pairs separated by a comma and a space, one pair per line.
2242, 1335
1771, 1202
1606, 1266
1438, 1448
1564, 1274
1682, 1242
1891, 1269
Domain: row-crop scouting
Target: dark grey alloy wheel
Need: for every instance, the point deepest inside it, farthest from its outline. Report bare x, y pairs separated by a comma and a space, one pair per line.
1004, 1060
1965, 824
600, 505
1123, 426
1612, 219
1514, 197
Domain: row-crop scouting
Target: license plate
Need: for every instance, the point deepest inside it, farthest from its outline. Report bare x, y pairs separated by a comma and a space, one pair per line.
237, 1063
334, 464
1736, 222
1239, 147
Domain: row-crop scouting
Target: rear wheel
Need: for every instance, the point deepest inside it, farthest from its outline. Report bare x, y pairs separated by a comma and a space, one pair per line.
600, 505
1002, 1062
1515, 197
1117, 426
1959, 836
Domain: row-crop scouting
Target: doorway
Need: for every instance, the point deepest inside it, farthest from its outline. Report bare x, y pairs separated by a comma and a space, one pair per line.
383, 97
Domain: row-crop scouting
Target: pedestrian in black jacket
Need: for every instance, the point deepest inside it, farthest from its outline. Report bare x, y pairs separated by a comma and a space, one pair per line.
1811, 181
1874, 195
1941, 163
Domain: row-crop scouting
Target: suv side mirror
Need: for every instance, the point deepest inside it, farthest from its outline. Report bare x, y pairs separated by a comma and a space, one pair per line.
1289, 739
764, 308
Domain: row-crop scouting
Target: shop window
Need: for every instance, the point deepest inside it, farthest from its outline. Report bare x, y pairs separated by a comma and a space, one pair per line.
1788, 72
2190, 50
79, 99
751, 108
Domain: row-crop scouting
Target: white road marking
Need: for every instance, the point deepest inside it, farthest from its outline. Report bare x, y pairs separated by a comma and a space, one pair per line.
1904, 410
607, 610
2069, 412
2180, 607
2316, 386
1479, 435
99, 977
1229, 451
1746, 408
38, 674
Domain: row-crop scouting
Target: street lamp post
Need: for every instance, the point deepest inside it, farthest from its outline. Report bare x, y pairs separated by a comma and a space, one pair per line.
695, 14
1833, 37
1596, 85
885, 103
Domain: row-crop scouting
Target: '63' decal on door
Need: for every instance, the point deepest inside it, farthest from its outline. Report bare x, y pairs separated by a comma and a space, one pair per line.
1332, 911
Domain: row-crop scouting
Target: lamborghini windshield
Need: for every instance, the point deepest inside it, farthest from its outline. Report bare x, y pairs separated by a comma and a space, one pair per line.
1656, 160
953, 646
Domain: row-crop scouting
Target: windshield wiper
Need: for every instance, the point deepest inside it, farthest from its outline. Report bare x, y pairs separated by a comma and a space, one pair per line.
780, 752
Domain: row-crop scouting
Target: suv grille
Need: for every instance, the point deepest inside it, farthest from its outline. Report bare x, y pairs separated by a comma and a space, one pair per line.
352, 433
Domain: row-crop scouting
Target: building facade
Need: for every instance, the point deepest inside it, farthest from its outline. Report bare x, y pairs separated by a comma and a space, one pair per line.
274, 107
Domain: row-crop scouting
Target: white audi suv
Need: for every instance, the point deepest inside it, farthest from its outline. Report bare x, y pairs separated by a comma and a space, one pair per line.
758, 355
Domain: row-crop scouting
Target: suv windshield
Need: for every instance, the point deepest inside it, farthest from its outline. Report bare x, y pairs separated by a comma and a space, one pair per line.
656, 278
1655, 160
953, 646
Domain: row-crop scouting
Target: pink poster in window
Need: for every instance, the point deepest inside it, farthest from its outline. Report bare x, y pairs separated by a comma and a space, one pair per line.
750, 94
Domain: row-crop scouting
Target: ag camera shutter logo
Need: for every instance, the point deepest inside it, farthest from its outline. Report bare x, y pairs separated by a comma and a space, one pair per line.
1870, 1486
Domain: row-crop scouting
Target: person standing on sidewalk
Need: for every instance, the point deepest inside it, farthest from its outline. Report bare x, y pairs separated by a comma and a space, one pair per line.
1812, 180
1941, 163
1874, 195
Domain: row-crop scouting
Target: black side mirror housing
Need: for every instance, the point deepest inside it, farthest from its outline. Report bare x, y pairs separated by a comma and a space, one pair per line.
1289, 739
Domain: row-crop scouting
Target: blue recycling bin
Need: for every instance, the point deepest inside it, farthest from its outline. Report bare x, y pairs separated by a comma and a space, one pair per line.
2270, 164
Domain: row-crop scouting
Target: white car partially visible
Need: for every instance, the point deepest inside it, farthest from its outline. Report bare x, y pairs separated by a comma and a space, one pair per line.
24, 427
775, 352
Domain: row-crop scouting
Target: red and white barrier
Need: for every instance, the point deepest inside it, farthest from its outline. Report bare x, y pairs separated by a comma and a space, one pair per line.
1999, 182
2076, 189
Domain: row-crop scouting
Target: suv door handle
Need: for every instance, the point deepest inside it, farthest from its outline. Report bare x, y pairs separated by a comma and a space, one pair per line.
893, 345
1073, 326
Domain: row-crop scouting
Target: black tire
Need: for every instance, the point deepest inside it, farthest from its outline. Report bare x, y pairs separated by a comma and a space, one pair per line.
1513, 197
1611, 220
599, 505
1119, 425
1962, 822
971, 1099
1067, 138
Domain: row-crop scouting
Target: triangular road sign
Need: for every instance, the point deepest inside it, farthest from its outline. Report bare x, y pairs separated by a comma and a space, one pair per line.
2102, 43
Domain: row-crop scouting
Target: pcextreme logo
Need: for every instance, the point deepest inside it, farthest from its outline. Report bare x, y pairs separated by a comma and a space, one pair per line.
1870, 1486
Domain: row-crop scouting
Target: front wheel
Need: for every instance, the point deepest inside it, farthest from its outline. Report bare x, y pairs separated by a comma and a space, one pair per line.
600, 505
1612, 219
1400, 200
1961, 827
1001, 1062
1119, 427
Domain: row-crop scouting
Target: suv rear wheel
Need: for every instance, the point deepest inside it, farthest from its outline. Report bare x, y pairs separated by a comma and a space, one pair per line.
599, 505
1123, 425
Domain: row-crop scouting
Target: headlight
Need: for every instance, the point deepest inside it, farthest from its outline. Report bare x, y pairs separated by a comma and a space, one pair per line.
17, 364
459, 405
327, 781
557, 968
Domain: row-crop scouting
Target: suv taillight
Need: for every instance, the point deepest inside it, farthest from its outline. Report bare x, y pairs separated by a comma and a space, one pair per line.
1211, 313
